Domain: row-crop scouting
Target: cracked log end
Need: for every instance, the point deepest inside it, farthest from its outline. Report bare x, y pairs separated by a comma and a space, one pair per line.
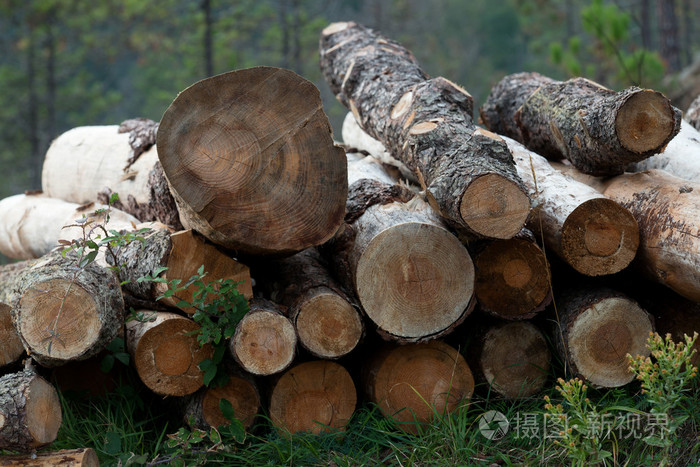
599, 237
494, 207
646, 122
328, 325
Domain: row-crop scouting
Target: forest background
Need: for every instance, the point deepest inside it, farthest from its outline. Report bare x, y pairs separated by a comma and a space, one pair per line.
67, 63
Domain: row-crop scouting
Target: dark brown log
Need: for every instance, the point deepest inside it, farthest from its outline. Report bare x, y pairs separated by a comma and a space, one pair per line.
83, 457
512, 278
327, 321
598, 327
166, 354
600, 131
265, 339
251, 162
427, 125
411, 383
30, 411
692, 115
317, 396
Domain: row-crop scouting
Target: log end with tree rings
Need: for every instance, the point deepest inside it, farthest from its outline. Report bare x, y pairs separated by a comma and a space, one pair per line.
646, 122
494, 207
415, 280
316, 397
599, 237
240, 392
251, 161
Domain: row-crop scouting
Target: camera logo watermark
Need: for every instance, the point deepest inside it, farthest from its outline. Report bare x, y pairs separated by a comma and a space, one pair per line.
493, 425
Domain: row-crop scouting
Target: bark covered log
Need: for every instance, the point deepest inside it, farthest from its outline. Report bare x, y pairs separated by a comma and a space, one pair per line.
251, 162
600, 131
692, 115
426, 124
82, 457
598, 327
316, 397
30, 411
591, 232
11, 348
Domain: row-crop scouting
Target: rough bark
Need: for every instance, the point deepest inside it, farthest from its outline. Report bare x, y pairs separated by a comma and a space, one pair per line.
427, 124
512, 277
64, 313
88, 164
30, 411
166, 354
600, 131
11, 348
680, 158
592, 233
692, 115
412, 382
32, 225
265, 339
317, 396
327, 321
82, 457
251, 162
598, 328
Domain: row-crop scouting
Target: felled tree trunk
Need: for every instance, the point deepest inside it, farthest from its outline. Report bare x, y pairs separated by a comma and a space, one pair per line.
265, 339
692, 115
11, 348
327, 321
600, 131
251, 162
598, 328
32, 225
83, 457
412, 382
512, 277
88, 164
592, 233
166, 354
413, 277
30, 411
427, 125
316, 397
62, 312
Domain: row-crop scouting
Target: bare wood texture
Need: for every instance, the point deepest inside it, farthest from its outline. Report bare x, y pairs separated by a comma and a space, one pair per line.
599, 130
166, 354
11, 348
598, 328
82, 457
512, 278
62, 312
32, 225
317, 396
30, 411
412, 382
88, 164
327, 320
251, 162
265, 339
591, 232
692, 115
240, 390
427, 124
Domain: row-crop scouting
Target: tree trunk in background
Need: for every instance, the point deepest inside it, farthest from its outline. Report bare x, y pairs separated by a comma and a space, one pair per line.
296, 37
645, 25
668, 34
284, 25
208, 46
34, 131
689, 18
50, 131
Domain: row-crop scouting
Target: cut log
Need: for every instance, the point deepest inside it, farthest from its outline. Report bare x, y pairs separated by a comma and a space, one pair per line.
599, 130
166, 354
410, 383
240, 390
64, 313
30, 411
83, 457
513, 359
265, 339
88, 164
512, 277
328, 322
427, 124
598, 327
413, 278
251, 162
592, 233
317, 396
183, 253
11, 348
32, 225
692, 115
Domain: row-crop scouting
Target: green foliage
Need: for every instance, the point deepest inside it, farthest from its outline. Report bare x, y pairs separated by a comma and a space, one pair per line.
116, 352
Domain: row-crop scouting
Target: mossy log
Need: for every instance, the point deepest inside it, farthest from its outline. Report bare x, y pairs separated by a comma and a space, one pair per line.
426, 124
599, 130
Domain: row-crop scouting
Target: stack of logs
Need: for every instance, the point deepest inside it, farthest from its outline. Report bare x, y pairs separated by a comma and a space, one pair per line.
364, 265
